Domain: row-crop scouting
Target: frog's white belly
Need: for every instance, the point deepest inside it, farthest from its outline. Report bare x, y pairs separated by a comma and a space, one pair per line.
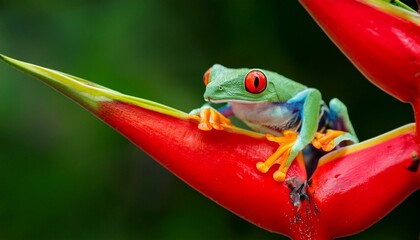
267, 117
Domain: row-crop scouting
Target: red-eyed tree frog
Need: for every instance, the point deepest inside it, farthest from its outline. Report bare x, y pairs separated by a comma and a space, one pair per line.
289, 113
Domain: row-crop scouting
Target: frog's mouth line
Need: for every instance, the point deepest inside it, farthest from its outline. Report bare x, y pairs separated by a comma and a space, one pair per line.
232, 101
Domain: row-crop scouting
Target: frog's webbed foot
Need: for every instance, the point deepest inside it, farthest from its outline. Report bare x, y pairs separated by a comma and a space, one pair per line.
209, 118
281, 155
325, 141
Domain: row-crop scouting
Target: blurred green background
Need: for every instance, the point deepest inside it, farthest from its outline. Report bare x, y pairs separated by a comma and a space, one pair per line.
66, 175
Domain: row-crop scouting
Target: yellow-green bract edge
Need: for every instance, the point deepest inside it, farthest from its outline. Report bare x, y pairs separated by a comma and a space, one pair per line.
402, 11
85, 92
90, 94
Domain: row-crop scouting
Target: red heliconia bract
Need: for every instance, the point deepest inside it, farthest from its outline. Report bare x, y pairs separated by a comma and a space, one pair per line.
381, 40
351, 190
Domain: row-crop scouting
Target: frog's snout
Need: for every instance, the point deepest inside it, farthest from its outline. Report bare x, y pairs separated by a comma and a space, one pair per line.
213, 91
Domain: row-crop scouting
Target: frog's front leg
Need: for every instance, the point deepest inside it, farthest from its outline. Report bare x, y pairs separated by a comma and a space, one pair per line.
210, 118
292, 143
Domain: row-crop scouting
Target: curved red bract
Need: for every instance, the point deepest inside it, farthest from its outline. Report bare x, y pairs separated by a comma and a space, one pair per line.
219, 164
384, 47
345, 197
359, 188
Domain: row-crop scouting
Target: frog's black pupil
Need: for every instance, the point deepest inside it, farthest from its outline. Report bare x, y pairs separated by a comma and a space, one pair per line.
256, 82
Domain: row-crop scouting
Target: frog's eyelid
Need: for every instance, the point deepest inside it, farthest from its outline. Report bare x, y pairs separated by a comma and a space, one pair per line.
206, 77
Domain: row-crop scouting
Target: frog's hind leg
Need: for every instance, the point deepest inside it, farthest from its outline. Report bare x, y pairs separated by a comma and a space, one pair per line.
339, 118
340, 130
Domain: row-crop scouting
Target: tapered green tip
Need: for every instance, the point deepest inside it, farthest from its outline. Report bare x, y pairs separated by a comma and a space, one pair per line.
88, 94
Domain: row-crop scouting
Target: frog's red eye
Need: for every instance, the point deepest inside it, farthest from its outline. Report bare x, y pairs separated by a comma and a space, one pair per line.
206, 77
255, 81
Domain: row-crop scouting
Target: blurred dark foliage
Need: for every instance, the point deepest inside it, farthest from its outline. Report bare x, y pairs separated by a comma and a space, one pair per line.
66, 175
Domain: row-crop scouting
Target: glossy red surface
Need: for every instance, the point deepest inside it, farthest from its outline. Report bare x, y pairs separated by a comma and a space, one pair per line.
218, 164
347, 195
358, 189
384, 47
